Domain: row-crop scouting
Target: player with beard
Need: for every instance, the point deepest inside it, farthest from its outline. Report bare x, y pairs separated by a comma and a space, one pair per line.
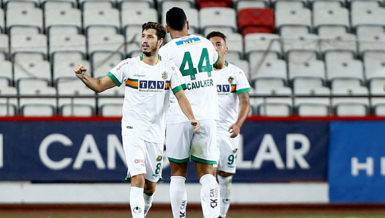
148, 81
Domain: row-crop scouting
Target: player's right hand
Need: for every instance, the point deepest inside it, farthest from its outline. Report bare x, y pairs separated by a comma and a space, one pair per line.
80, 71
196, 124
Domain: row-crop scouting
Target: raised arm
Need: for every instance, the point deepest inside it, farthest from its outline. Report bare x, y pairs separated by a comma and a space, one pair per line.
98, 85
186, 108
244, 101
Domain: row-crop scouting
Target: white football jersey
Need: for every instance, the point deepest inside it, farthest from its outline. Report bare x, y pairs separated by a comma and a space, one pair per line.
231, 81
146, 97
195, 57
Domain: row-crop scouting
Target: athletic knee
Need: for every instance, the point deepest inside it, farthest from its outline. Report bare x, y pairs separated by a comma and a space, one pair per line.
224, 174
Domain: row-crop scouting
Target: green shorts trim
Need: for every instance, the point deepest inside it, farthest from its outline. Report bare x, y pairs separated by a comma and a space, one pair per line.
178, 161
203, 161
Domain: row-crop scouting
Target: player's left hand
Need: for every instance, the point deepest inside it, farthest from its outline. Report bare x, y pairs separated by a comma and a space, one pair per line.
196, 124
235, 129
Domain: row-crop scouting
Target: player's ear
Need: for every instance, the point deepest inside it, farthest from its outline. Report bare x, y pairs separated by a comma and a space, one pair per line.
160, 42
167, 29
188, 25
226, 50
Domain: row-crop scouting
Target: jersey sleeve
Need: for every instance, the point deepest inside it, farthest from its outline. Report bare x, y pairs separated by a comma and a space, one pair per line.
242, 82
119, 73
176, 80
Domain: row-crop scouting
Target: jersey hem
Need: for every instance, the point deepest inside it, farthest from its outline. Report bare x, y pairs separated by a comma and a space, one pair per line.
203, 161
178, 161
114, 79
243, 90
144, 139
187, 121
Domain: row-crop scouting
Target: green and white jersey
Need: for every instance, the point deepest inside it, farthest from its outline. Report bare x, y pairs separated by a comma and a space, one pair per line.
231, 81
195, 57
146, 97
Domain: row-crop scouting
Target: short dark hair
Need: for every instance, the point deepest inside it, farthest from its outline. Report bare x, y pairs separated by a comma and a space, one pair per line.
176, 18
160, 30
216, 33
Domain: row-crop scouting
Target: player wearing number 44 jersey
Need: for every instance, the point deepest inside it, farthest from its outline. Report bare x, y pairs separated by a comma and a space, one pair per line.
148, 81
233, 89
195, 57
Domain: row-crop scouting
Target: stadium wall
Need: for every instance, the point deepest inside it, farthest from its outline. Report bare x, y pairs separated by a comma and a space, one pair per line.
279, 160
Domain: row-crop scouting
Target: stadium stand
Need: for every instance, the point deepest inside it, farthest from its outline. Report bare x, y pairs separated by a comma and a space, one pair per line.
308, 48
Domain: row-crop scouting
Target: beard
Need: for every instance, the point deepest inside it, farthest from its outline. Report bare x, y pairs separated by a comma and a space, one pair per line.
150, 53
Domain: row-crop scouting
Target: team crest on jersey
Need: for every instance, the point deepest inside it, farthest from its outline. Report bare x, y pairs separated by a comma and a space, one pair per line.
235, 150
159, 158
231, 79
164, 75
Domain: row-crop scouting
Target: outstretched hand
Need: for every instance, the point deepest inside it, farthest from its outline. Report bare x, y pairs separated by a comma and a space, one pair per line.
196, 124
235, 129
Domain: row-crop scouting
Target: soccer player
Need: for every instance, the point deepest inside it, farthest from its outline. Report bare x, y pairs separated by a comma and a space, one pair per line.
233, 89
195, 57
148, 80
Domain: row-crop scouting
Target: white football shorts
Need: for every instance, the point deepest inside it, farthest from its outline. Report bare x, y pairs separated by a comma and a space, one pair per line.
143, 157
182, 143
228, 148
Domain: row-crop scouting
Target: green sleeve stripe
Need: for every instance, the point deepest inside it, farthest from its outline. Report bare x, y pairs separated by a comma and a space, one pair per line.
184, 86
112, 76
243, 90
219, 57
177, 89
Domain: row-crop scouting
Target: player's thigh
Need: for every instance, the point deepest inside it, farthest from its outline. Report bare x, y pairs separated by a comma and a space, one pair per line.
154, 161
135, 152
204, 144
178, 140
228, 148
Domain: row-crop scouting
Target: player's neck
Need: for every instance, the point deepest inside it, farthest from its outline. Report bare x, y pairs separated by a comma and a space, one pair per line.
221, 64
178, 34
151, 60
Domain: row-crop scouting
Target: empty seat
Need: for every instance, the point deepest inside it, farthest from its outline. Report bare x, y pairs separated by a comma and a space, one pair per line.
344, 68
67, 43
301, 56
371, 42
293, 31
75, 106
62, 30
90, 5
106, 43
339, 42
358, 106
242, 64
64, 17
65, 68
331, 16
37, 106
234, 43
101, 17
8, 107
367, 13
223, 17
308, 69
36, 43
256, 17
6, 75
305, 42
137, 16
24, 17
377, 103
269, 69
293, 17
111, 107
201, 4
123, 5
374, 64
31, 66
133, 38
312, 106
262, 43
102, 63
20, 4
328, 31
279, 106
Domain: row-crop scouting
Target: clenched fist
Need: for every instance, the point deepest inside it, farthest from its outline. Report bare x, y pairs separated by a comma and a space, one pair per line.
80, 71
